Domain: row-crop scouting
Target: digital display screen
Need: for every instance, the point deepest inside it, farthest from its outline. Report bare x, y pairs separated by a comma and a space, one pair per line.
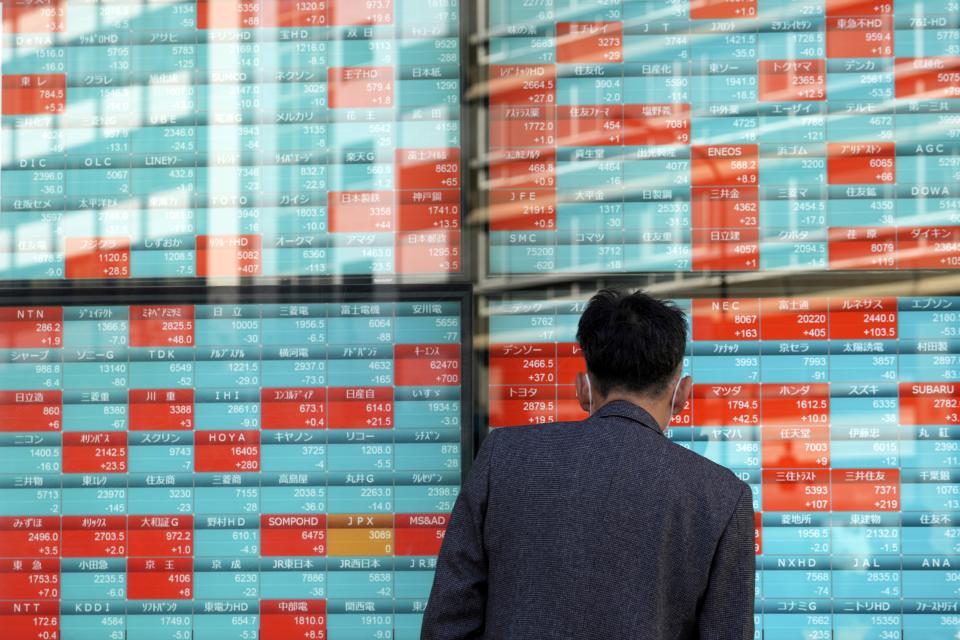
723, 135
248, 471
843, 416
229, 138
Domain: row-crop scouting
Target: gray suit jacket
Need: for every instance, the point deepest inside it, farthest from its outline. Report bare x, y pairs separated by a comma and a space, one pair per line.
599, 529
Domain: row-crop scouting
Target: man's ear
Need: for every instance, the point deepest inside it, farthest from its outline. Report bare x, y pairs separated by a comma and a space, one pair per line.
683, 393
583, 391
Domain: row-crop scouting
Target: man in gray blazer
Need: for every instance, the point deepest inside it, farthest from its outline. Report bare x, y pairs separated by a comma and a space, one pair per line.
602, 528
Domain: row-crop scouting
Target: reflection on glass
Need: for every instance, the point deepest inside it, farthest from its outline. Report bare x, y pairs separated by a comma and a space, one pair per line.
722, 135
229, 139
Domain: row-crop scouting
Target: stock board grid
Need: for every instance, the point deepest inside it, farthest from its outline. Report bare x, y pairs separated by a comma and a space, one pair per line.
229, 139
225, 471
723, 135
843, 416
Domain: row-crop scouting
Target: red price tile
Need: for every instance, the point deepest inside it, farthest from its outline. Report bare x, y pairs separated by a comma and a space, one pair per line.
420, 365
94, 536
436, 251
226, 256
161, 409
160, 578
866, 489
293, 619
168, 536
361, 211
518, 405
522, 126
851, 248
361, 12
31, 327
570, 362
723, 405
30, 620
29, 536
293, 408
523, 364
97, 258
928, 247
805, 404
161, 325
720, 207
860, 37
229, 14
428, 168
726, 319
589, 42
863, 319
227, 451
95, 452
725, 165
796, 490
361, 407
929, 403
862, 163
360, 87
653, 124
31, 411
420, 534
295, 13
794, 319
34, 580
293, 535
589, 125
523, 84
568, 406
795, 448
859, 8
428, 210
723, 9
928, 78
34, 16
34, 94
793, 80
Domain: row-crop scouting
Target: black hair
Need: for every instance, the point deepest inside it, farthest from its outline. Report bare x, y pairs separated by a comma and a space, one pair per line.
631, 341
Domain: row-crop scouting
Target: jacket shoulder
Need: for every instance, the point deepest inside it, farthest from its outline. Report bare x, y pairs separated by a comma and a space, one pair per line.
525, 448
715, 481
532, 434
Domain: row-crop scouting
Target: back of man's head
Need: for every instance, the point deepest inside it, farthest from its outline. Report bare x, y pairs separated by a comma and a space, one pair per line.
632, 343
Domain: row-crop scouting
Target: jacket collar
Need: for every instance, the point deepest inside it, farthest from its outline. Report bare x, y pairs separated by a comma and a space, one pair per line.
630, 411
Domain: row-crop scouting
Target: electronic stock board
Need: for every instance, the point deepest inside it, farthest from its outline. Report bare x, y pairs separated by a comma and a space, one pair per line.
178, 462
723, 135
219, 138
183, 468
261, 470
761, 136
843, 416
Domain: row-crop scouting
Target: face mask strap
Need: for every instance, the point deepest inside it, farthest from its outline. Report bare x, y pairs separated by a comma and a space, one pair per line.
589, 393
673, 399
